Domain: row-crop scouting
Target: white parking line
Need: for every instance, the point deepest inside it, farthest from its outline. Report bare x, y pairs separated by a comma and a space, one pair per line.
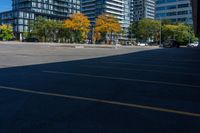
134, 64
159, 58
138, 106
140, 70
121, 78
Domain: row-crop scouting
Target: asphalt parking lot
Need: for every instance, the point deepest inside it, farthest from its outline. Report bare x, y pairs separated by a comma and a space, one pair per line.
99, 90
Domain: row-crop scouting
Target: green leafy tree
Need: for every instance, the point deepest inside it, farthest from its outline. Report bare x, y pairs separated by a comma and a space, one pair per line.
145, 29
38, 29
148, 29
180, 32
63, 33
6, 32
49, 30
133, 31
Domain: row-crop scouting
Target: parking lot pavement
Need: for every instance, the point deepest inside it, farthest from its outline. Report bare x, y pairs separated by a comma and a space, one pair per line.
127, 90
31, 54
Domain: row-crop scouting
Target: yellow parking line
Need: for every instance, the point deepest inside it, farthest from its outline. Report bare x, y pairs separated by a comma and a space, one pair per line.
103, 101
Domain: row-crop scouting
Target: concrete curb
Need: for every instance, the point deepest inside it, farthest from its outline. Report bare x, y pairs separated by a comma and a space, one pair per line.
68, 45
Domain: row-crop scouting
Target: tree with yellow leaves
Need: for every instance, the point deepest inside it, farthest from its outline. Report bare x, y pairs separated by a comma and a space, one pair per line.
6, 32
106, 24
78, 24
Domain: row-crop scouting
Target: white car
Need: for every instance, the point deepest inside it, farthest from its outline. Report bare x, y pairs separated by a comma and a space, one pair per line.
142, 44
193, 45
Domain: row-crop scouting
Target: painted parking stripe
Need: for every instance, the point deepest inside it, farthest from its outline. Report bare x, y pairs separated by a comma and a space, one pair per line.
140, 70
138, 106
121, 78
158, 58
134, 64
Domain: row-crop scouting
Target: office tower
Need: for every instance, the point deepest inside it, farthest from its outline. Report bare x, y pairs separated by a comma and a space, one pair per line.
174, 10
142, 9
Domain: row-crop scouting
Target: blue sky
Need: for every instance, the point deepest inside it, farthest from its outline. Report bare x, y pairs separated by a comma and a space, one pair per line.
5, 5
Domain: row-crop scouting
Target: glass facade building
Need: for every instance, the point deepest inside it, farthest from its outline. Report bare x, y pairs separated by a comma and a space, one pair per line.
174, 10
142, 9
25, 10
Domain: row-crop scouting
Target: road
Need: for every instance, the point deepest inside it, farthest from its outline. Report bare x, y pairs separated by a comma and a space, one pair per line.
62, 90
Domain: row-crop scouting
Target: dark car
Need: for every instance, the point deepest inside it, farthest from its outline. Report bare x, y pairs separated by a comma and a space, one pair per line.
13, 39
31, 39
171, 44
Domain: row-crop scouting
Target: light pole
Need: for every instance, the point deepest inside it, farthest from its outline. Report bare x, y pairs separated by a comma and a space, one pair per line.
189, 34
160, 44
131, 33
160, 32
92, 34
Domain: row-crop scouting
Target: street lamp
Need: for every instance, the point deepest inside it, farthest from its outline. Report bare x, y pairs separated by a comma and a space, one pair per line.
160, 44
160, 32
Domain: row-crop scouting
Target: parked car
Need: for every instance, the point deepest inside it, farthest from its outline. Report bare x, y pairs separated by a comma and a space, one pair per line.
31, 39
142, 44
193, 45
13, 39
170, 44
152, 44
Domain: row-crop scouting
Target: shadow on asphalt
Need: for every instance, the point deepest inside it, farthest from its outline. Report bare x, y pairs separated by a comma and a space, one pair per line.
164, 78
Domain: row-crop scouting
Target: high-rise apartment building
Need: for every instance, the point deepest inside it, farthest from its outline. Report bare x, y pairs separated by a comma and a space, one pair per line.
174, 10
19, 19
142, 9
25, 10
120, 9
50, 8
